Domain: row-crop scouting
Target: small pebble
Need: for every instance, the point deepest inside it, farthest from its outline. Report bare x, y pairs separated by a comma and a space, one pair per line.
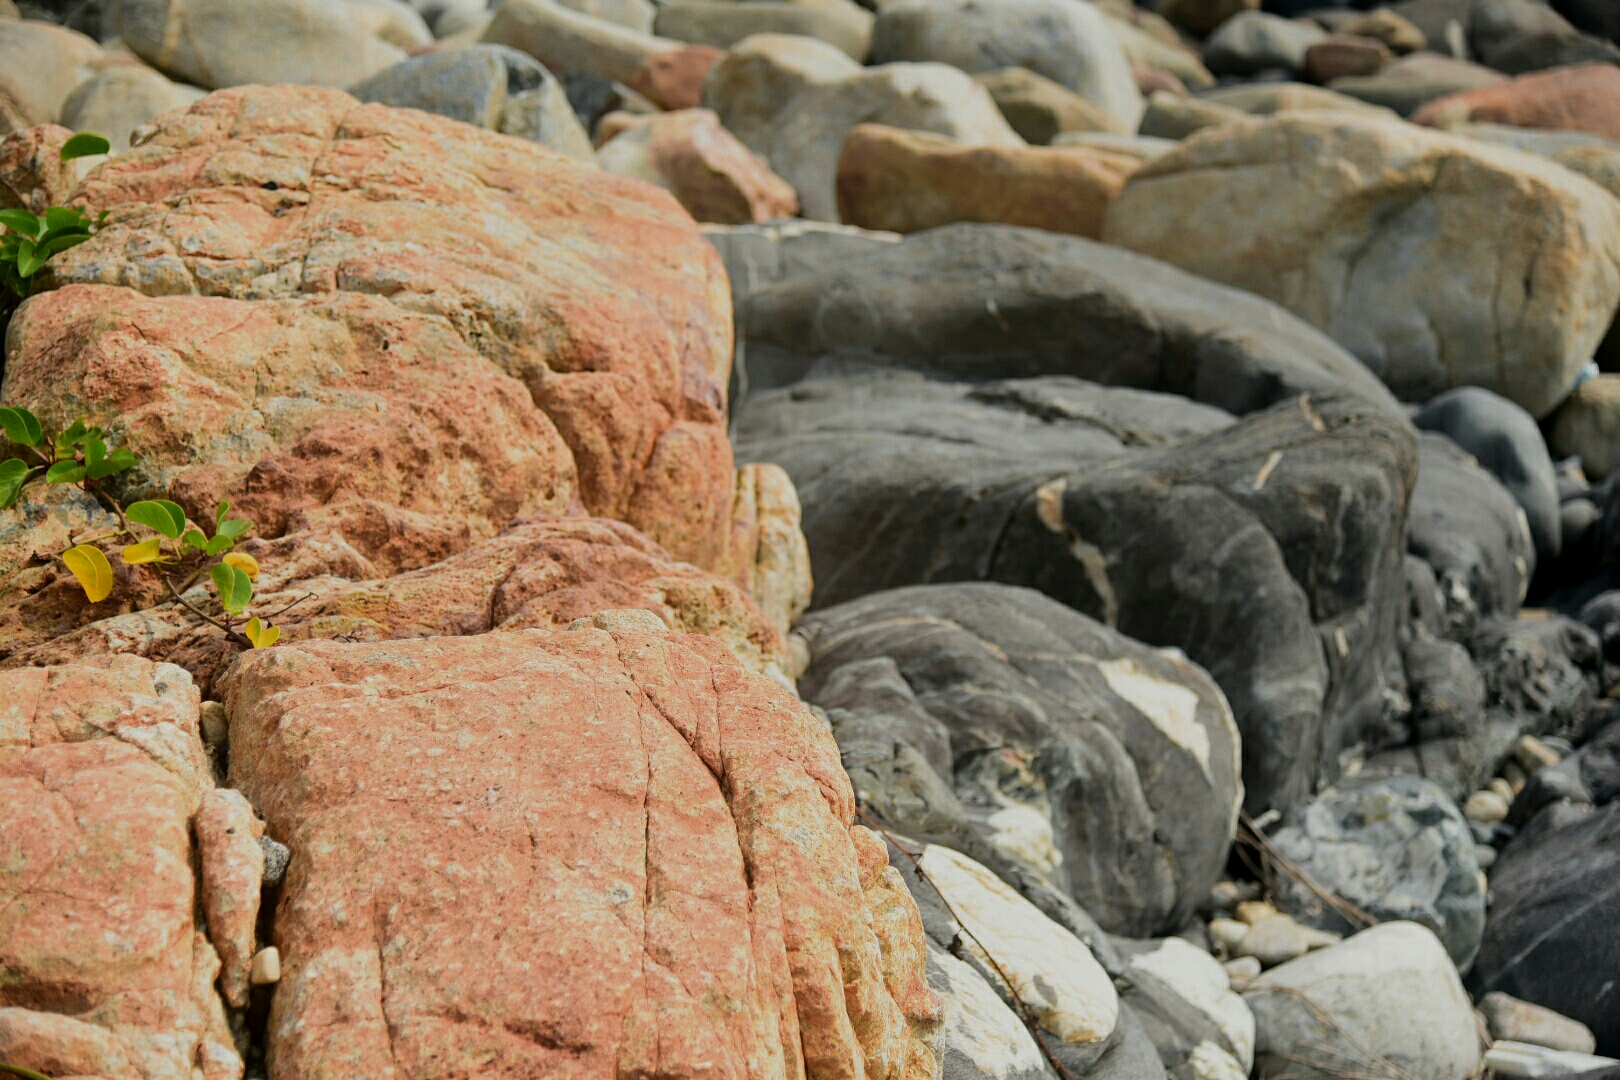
1241, 972
1224, 934
1255, 912
216, 724
1502, 788
1515, 775
276, 857
1486, 856
266, 967
1281, 939
1485, 808
1534, 754
1509, 1018
1227, 895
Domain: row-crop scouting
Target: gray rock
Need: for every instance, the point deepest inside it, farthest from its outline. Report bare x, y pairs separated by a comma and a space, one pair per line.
1446, 691
1068, 41
276, 857
1267, 98
491, 86
1386, 1002
723, 23
1175, 116
1411, 82
1399, 850
40, 65
1104, 766
1543, 672
914, 482
1519, 36
1039, 109
1255, 41
1282, 938
1553, 935
1520, 1021
980, 1037
1507, 442
988, 301
1183, 997
758, 256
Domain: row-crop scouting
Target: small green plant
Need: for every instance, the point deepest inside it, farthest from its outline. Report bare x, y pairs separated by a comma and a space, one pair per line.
78, 455
32, 239
18, 1070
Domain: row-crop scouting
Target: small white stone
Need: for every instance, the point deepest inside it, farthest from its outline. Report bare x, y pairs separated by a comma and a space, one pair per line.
1224, 934
1485, 808
266, 967
1242, 971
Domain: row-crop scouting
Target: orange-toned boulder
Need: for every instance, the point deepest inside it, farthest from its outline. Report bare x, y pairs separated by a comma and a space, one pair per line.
707, 168
1584, 97
906, 181
32, 172
384, 321
107, 972
569, 854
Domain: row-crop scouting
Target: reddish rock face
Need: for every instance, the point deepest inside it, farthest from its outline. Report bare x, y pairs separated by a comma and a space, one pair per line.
363, 314
32, 172
1585, 97
673, 78
707, 168
570, 854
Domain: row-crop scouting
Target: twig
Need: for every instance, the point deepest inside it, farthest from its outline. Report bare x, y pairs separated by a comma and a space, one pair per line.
1024, 1012
235, 637
1356, 916
287, 607
18, 1070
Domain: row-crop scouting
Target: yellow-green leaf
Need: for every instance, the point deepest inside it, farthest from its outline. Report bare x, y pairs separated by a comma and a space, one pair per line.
92, 569
262, 634
147, 551
243, 562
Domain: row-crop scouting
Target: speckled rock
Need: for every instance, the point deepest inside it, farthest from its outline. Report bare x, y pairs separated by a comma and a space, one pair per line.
688, 153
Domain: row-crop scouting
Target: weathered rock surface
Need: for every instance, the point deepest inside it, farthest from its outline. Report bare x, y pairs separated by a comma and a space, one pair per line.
1413, 81
1438, 261
1587, 426
794, 100
1267, 98
998, 302
108, 971
1386, 1001
40, 64
1107, 768
907, 181
1520, 1021
1183, 996
1039, 109
33, 175
1255, 41
1592, 156
220, 43
636, 791
723, 23
1583, 98
1398, 850
713, 175
122, 98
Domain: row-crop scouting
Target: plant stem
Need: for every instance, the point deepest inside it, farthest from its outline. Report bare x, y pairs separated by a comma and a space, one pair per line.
18, 1070
286, 608
230, 634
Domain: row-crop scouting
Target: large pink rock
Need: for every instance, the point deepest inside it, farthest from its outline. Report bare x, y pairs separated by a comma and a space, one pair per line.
569, 854
105, 970
1584, 97
707, 168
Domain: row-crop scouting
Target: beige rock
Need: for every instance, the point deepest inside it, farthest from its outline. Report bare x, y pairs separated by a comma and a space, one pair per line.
1530, 751
1039, 109
638, 15
569, 854
1242, 971
232, 874
1255, 912
122, 98
713, 175
1521, 1021
1264, 99
1144, 49
723, 23
1587, 425
793, 100
1175, 116
1280, 939
8, 10
1383, 24
1225, 934
906, 181
1485, 808
1439, 262
40, 64
768, 555
266, 968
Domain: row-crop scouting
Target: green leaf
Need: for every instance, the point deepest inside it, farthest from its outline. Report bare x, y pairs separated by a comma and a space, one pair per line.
115, 462
13, 475
262, 634
22, 222
193, 538
219, 514
55, 245
29, 258
235, 589
160, 515
65, 217
65, 472
233, 528
21, 426
72, 435
85, 144
219, 544
89, 564
94, 451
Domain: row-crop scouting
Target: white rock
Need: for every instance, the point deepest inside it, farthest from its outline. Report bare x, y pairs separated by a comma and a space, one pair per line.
1200, 980
266, 967
1515, 1059
977, 1026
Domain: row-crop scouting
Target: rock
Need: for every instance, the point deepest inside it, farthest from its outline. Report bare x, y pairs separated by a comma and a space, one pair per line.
1039, 109
1080, 309
1384, 1000
1185, 1001
1505, 440
1201, 17
723, 23
1551, 937
232, 875
1280, 939
1581, 98
220, 43
266, 967
907, 181
1242, 970
1447, 693
1068, 41
108, 972
993, 711
1382, 24
1022, 493
1173, 116
1254, 41
33, 175
1587, 426
1254, 912
1411, 82
1430, 297
714, 176
1518, 36
491, 86
1398, 850
40, 64
759, 256
980, 1038
409, 327
1592, 156
668, 73
1140, 147
1511, 1059
794, 100
1225, 934
1543, 670
637, 15
1520, 1021
634, 790
1341, 56
1533, 754
1148, 52
122, 98
1265, 98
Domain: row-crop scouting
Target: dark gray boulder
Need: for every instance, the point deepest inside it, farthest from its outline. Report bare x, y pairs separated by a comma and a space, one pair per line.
1397, 849
1542, 672
1288, 524
1519, 36
1507, 443
977, 302
1446, 691
1106, 767
1553, 935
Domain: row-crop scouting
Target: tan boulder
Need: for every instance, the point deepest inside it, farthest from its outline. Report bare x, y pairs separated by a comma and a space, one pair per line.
1438, 261
1587, 426
1585, 97
703, 165
1265, 99
108, 971
1175, 116
569, 854
1039, 109
122, 98
907, 181
40, 64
